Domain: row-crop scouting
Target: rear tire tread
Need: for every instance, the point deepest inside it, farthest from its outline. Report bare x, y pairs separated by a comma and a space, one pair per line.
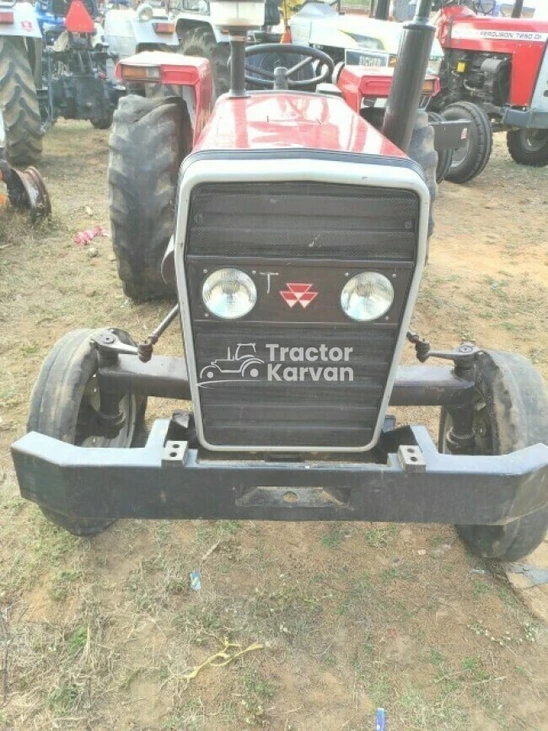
146, 148
20, 102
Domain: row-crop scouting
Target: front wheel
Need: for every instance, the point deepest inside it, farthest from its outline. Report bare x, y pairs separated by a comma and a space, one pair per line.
65, 403
510, 413
528, 146
469, 161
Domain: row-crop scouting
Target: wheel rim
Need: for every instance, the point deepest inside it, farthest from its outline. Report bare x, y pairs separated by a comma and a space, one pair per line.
534, 140
89, 407
460, 154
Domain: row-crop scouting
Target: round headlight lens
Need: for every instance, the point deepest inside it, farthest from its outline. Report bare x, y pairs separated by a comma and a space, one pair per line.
367, 296
229, 293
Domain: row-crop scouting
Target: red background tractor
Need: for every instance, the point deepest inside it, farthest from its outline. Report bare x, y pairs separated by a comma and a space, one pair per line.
495, 71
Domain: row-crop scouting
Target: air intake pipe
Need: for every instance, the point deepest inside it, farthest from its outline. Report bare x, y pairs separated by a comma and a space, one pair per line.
517, 9
382, 9
407, 84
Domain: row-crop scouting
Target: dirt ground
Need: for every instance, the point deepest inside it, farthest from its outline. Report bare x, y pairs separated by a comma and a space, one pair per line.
342, 618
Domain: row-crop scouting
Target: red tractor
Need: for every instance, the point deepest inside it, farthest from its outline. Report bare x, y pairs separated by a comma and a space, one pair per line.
301, 233
496, 74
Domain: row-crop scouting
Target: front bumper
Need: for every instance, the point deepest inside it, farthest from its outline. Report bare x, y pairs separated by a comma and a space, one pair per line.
528, 118
412, 482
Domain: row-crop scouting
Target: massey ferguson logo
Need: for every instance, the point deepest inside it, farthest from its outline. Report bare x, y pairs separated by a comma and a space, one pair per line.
298, 292
281, 363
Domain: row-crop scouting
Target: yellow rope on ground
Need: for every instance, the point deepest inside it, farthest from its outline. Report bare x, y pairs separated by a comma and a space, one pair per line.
224, 656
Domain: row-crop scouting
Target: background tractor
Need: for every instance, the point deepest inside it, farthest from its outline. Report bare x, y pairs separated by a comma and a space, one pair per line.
496, 70
303, 230
146, 28
200, 36
56, 61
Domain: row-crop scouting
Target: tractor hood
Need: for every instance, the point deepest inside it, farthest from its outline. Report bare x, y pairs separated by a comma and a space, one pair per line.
319, 25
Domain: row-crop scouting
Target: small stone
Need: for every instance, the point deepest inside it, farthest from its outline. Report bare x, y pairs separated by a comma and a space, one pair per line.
111, 257
421, 552
92, 252
89, 210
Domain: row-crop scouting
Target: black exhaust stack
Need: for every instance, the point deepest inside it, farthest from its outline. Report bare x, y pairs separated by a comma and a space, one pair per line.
237, 38
406, 90
517, 9
382, 9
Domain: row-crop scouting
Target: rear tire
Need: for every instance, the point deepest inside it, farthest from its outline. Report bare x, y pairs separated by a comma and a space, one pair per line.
146, 148
201, 42
470, 160
421, 150
528, 146
20, 104
509, 413
62, 401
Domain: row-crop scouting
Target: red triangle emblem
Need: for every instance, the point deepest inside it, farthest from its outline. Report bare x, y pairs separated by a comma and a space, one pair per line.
298, 292
78, 20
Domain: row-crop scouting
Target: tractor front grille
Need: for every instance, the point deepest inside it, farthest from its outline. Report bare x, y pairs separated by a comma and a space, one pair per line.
303, 377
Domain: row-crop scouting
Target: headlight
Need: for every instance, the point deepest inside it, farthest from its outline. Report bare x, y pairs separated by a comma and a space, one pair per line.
367, 296
229, 293
144, 13
434, 66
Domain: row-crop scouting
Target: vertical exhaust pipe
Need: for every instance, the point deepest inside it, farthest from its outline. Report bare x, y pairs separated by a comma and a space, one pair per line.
407, 83
517, 9
382, 9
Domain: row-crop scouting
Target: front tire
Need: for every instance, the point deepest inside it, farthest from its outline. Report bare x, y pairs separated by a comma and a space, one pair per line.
510, 411
528, 146
469, 161
19, 101
201, 42
64, 399
147, 145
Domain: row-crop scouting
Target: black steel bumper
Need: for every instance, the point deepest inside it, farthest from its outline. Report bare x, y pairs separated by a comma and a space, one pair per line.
412, 482
529, 118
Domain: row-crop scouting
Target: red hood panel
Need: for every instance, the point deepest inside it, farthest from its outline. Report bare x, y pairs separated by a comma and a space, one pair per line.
280, 120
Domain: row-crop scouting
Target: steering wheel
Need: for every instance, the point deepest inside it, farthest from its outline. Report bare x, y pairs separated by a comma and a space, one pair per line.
281, 77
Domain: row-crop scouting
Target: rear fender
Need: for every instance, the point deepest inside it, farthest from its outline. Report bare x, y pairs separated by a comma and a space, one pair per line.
361, 82
25, 22
185, 76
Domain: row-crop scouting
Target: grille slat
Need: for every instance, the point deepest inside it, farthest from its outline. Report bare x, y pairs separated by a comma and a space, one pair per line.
289, 399
302, 220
